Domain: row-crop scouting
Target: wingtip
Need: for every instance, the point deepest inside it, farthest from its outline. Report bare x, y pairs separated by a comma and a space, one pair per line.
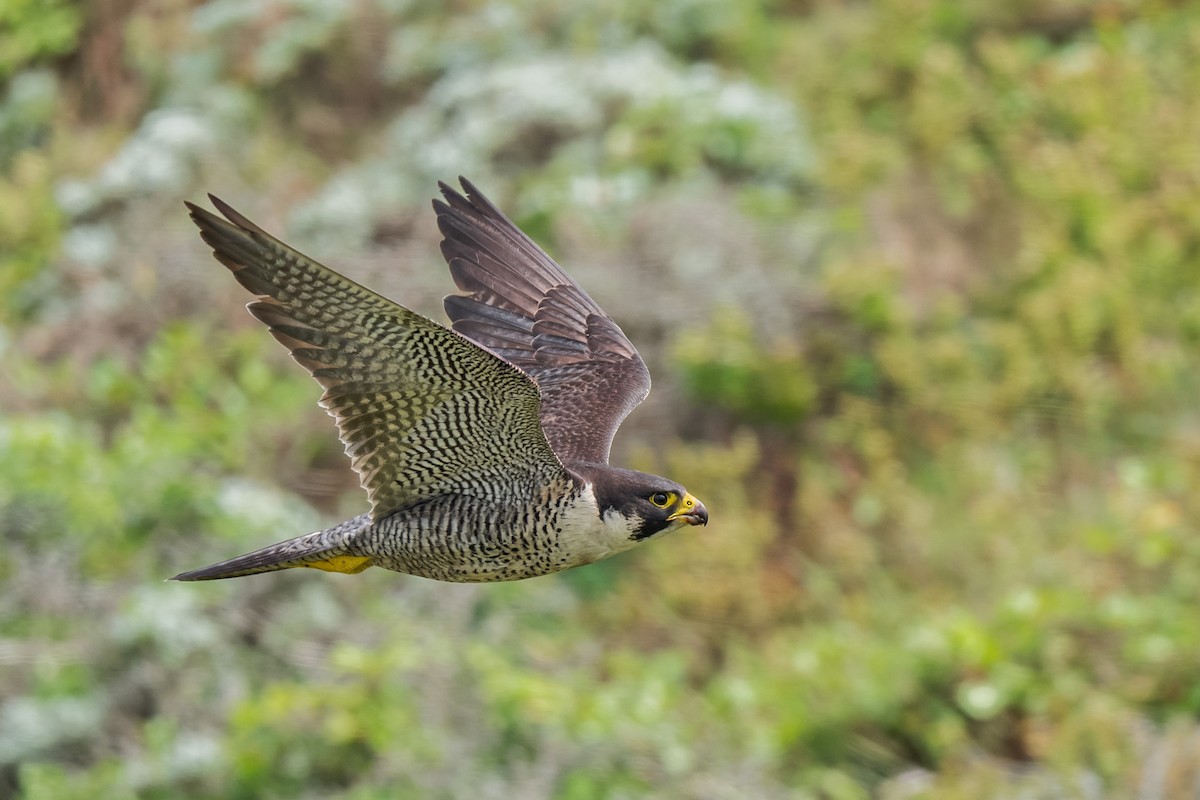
196, 211
450, 194
203, 216
466, 187
473, 191
468, 199
225, 209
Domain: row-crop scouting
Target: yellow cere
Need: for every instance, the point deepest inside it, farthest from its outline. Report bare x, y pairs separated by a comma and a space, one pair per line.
685, 507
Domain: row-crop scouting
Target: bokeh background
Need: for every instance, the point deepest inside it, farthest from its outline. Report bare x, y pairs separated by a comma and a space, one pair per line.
918, 282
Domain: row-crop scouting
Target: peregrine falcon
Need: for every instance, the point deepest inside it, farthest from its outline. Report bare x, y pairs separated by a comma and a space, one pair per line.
483, 447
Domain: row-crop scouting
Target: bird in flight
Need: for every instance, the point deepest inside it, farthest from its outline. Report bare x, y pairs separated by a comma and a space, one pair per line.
483, 447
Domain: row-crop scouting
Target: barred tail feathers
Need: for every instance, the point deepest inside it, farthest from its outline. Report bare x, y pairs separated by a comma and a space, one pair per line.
324, 550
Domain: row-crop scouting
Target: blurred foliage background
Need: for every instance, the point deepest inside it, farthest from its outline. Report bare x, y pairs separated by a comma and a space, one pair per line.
917, 281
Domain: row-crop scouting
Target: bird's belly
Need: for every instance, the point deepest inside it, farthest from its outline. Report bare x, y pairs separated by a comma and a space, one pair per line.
468, 540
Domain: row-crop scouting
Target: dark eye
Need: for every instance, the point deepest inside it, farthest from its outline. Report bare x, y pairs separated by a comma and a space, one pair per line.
662, 499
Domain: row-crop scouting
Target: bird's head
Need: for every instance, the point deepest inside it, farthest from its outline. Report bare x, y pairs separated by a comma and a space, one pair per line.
647, 505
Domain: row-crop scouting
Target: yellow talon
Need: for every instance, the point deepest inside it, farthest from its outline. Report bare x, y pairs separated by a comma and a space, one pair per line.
349, 565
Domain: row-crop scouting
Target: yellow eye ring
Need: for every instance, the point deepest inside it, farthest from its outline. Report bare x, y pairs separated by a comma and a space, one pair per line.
662, 499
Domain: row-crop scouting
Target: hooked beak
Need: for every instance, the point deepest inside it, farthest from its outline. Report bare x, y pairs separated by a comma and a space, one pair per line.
691, 511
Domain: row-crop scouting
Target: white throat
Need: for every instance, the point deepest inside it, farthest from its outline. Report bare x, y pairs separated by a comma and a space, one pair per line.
585, 530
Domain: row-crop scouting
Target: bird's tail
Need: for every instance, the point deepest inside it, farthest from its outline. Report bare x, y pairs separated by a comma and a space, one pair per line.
326, 550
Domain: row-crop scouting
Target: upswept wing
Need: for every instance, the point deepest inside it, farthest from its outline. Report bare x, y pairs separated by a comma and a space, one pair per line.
526, 309
421, 410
